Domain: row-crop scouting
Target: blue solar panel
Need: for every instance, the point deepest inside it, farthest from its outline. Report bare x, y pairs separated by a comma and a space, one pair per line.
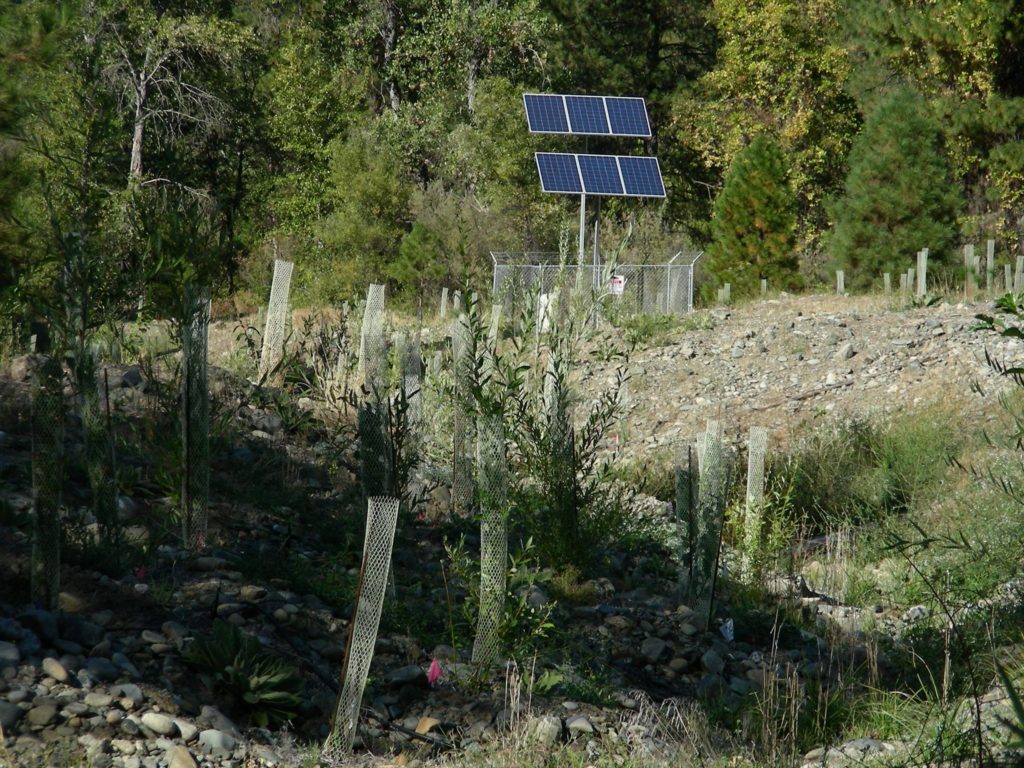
628, 116
600, 175
586, 114
545, 113
558, 172
642, 176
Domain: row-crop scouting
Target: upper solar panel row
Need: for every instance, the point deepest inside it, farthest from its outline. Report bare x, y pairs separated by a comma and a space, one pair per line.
618, 175
588, 115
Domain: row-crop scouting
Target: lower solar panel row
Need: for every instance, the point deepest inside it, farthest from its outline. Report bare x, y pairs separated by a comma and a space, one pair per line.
615, 175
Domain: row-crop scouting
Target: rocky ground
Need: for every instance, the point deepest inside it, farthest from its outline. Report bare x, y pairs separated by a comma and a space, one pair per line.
104, 682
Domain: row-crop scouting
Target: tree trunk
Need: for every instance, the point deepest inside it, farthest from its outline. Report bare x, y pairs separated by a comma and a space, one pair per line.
472, 72
389, 31
135, 167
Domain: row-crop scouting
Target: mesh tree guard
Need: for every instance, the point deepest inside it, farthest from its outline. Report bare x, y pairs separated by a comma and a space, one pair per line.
757, 447
840, 282
708, 516
493, 484
463, 356
887, 282
686, 487
492, 341
1018, 275
381, 518
990, 264
373, 353
970, 269
195, 417
47, 480
99, 453
375, 470
277, 320
457, 303
410, 364
444, 304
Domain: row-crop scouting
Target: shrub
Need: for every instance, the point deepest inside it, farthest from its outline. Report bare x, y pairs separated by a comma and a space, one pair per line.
898, 197
249, 678
860, 471
752, 227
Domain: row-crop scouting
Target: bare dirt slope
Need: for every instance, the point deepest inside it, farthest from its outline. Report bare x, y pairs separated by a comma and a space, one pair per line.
783, 363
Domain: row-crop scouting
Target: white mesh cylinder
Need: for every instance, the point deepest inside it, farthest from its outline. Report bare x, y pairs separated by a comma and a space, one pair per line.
708, 514
195, 417
757, 448
373, 355
492, 341
493, 491
990, 264
922, 272
381, 517
969, 270
444, 304
462, 439
47, 481
277, 319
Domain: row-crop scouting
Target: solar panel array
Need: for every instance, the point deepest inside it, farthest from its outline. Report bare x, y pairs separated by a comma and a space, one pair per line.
587, 115
618, 175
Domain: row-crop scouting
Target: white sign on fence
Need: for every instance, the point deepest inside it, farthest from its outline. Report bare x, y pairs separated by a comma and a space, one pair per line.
617, 285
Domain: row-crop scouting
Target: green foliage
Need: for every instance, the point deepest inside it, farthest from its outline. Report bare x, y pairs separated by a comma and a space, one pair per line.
779, 69
420, 261
860, 471
252, 679
898, 197
526, 619
643, 330
753, 226
370, 198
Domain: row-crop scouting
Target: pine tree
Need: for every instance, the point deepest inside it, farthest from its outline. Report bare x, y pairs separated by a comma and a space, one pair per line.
753, 224
899, 195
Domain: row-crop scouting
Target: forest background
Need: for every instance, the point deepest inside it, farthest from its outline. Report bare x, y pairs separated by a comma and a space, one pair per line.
147, 142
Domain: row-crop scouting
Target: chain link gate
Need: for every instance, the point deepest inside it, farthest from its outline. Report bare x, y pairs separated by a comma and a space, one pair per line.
381, 518
757, 449
195, 417
277, 320
492, 471
47, 480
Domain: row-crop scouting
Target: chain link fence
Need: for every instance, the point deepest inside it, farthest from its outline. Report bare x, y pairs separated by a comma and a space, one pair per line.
195, 417
624, 288
47, 480
381, 518
277, 320
492, 481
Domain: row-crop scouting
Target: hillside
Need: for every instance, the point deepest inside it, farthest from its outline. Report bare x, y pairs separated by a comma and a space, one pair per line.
616, 671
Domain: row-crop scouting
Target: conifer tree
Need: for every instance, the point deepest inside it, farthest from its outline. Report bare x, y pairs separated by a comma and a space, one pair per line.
899, 195
752, 227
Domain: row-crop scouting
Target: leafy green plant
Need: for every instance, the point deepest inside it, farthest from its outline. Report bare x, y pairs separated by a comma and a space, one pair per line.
248, 677
526, 619
644, 330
